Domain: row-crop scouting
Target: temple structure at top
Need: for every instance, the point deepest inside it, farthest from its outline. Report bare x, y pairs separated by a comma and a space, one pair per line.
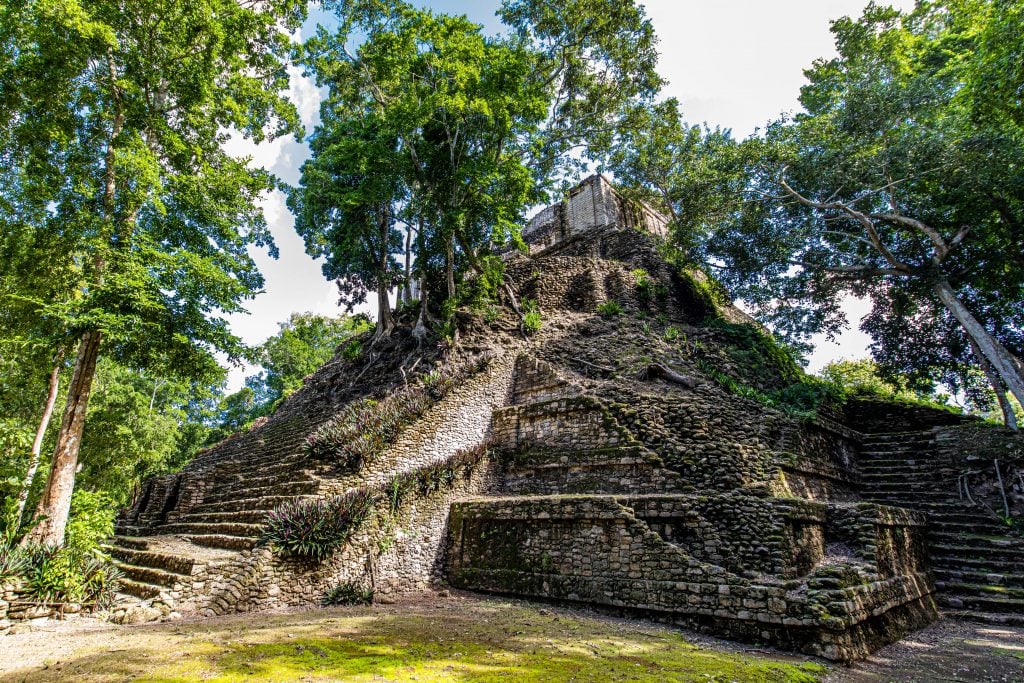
594, 203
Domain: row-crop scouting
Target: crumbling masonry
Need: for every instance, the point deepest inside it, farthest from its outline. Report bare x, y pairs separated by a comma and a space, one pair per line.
605, 485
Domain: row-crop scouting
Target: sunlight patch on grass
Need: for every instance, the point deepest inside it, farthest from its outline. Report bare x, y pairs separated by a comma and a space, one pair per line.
470, 641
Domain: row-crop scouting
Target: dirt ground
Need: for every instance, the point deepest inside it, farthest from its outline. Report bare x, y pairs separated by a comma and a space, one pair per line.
469, 638
948, 650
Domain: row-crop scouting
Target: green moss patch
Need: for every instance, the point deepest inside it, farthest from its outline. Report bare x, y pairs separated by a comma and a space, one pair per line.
454, 640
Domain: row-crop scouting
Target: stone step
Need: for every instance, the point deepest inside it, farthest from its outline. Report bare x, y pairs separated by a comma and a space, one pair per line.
917, 500
236, 517
962, 576
188, 528
899, 471
982, 603
267, 468
143, 558
956, 516
984, 590
133, 542
223, 541
996, 619
975, 540
909, 486
138, 588
943, 561
220, 495
887, 437
261, 480
264, 503
993, 554
914, 453
150, 575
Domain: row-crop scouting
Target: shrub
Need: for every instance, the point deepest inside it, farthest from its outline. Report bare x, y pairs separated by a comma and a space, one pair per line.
13, 563
314, 529
398, 489
609, 309
348, 594
363, 429
352, 350
66, 575
91, 521
671, 333
644, 284
531, 316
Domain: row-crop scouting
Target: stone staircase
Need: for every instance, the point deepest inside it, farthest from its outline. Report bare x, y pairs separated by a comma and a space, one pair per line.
165, 555
978, 564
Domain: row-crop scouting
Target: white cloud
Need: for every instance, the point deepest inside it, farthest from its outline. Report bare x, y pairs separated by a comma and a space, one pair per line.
739, 63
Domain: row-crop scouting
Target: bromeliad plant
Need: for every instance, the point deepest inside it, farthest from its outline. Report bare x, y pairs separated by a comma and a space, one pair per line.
313, 530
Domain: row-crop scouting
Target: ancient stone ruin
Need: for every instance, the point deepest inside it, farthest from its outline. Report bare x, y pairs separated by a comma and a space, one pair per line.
619, 457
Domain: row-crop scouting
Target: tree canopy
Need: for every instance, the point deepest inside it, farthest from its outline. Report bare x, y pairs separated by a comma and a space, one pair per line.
112, 124
427, 117
900, 181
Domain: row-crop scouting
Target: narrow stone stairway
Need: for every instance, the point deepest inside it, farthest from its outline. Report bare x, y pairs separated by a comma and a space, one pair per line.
978, 563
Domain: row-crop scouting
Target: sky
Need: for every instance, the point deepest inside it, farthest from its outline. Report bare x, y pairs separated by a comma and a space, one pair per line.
731, 63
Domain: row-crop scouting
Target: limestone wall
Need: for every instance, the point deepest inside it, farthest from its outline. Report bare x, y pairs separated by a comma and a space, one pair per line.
596, 550
393, 556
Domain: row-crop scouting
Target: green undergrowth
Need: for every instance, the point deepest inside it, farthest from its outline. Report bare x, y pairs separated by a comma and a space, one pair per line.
765, 370
456, 640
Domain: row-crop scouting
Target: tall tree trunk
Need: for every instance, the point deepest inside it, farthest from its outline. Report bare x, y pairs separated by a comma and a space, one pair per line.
385, 322
449, 265
52, 511
1009, 416
407, 282
1002, 361
37, 443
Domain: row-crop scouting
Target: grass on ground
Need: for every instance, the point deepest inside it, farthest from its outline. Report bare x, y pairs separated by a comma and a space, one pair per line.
460, 639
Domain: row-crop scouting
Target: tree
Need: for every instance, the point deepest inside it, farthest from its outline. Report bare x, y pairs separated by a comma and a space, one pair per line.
111, 123
467, 130
695, 173
890, 185
302, 345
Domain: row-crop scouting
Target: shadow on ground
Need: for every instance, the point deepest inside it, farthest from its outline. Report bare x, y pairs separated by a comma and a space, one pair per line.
946, 651
460, 639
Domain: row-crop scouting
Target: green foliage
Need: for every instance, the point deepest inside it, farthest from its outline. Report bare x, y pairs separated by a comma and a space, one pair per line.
671, 333
643, 282
141, 425
863, 378
348, 593
759, 353
799, 400
352, 350
902, 185
693, 173
92, 520
609, 309
315, 529
302, 345
532, 321
429, 121
362, 430
60, 575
